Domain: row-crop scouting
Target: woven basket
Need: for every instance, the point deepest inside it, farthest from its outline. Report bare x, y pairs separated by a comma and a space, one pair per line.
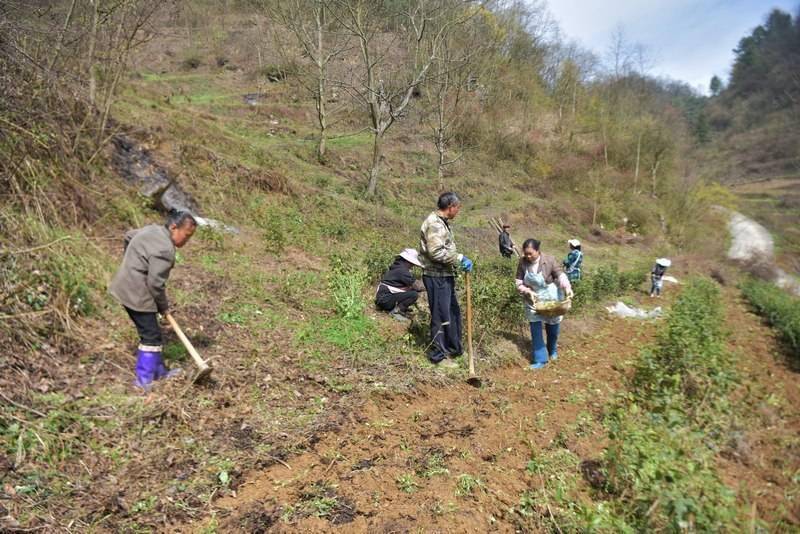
552, 308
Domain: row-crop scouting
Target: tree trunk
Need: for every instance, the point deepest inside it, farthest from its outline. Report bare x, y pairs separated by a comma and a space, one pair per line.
440, 150
439, 136
92, 46
321, 75
574, 98
376, 161
605, 144
654, 172
61, 35
638, 155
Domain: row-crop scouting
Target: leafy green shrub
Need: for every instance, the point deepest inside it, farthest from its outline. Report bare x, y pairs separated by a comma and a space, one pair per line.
778, 308
690, 361
495, 301
606, 281
212, 236
346, 283
377, 259
664, 475
660, 462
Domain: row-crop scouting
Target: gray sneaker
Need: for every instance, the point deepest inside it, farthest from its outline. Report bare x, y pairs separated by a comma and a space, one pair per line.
397, 316
447, 363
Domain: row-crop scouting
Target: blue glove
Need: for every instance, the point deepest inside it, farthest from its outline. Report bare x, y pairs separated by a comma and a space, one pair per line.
466, 264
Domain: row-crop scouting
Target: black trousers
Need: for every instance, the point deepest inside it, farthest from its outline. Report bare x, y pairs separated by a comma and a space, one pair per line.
386, 300
147, 326
445, 317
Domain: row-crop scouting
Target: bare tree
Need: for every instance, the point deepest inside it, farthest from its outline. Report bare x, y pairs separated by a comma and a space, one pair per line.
390, 75
89, 49
319, 37
620, 53
455, 74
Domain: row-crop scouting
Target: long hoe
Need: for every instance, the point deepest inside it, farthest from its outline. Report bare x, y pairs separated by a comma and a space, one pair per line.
473, 380
203, 368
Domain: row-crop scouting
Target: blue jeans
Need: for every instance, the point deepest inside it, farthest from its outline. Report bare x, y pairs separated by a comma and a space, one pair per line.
539, 350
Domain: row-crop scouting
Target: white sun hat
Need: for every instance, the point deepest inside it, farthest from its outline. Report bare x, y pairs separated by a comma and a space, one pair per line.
411, 255
664, 262
574, 242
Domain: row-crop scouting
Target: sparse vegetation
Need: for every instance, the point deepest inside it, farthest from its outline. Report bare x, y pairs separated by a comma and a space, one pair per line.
283, 307
780, 310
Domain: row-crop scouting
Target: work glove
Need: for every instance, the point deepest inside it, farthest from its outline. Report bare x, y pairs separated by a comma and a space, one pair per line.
466, 264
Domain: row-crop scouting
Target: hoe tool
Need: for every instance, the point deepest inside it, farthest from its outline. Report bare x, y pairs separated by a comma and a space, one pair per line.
473, 380
203, 368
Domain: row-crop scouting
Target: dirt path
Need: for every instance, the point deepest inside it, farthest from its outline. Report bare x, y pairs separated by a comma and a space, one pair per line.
397, 463
762, 458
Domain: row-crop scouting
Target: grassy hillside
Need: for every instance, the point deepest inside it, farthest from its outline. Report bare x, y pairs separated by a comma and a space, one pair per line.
283, 307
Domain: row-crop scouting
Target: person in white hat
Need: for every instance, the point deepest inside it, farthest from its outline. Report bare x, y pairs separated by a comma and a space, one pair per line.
398, 289
657, 276
574, 261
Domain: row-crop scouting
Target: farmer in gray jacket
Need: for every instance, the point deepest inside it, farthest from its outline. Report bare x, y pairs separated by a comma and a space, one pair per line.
440, 260
140, 286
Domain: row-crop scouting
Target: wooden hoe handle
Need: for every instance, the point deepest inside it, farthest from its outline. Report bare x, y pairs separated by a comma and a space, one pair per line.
186, 343
469, 325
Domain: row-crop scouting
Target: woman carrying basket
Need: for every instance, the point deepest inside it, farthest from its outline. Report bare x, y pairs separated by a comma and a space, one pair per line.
536, 279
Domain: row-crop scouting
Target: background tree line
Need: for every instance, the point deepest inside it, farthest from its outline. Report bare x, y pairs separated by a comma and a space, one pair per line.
474, 79
752, 124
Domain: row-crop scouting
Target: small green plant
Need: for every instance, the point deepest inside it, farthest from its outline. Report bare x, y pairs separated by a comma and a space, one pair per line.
232, 317
406, 483
144, 505
434, 466
174, 352
212, 236
467, 484
346, 283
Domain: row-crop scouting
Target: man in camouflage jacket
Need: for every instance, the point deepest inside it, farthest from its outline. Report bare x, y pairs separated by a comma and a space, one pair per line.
440, 260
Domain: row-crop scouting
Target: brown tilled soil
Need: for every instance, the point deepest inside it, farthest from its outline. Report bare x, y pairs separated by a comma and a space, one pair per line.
488, 433
762, 460
394, 466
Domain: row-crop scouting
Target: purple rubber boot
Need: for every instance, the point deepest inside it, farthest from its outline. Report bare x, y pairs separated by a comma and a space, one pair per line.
150, 366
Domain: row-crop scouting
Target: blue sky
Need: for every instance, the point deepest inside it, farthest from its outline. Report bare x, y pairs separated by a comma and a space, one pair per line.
688, 40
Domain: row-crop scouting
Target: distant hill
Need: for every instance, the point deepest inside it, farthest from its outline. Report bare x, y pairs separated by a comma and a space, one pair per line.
755, 120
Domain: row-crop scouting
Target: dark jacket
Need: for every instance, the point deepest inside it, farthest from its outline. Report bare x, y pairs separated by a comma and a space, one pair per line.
506, 245
141, 281
399, 277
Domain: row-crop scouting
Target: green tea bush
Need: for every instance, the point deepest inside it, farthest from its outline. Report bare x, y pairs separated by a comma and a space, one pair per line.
690, 361
664, 475
496, 303
779, 309
377, 259
605, 281
664, 431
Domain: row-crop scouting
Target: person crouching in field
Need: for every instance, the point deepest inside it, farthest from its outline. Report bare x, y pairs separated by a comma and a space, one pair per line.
398, 289
140, 286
